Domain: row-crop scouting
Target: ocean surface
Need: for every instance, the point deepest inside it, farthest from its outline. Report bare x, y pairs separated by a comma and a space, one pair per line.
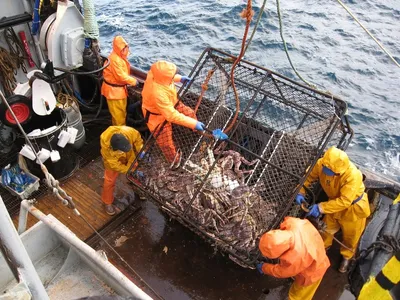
327, 47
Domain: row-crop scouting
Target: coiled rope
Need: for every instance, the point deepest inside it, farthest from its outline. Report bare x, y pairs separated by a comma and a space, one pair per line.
66, 100
91, 29
8, 67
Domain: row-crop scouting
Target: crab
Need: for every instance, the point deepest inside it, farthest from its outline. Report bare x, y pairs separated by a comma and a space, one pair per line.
179, 200
166, 194
234, 159
209, 201
245, 232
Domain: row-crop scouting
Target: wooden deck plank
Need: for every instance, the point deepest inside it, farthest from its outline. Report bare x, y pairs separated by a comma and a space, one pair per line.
84, 188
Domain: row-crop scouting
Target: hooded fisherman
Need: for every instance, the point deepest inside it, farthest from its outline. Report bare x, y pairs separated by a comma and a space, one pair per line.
347, 207
301, 253
119, 147
160, 103
115, 79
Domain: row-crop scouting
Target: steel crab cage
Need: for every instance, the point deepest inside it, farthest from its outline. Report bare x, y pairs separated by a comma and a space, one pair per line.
281, 130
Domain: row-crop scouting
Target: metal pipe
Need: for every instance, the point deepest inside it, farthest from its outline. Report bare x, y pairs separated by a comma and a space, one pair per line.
39, 51
27, 6
22, 219
111, 271
15, 20
19, 258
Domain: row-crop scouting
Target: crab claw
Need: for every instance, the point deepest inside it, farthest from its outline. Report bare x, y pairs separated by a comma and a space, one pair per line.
176, 163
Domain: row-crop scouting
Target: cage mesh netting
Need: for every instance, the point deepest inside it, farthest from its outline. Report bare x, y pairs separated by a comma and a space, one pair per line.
230, 193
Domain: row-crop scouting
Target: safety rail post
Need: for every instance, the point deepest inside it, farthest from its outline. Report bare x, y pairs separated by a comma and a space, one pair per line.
22, 219
15, 253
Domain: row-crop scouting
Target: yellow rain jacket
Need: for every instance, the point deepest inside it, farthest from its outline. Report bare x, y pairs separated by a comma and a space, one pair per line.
117, 73
342, 189
159, 97
117, 160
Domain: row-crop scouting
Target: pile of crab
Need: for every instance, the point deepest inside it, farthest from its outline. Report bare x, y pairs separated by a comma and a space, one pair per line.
222, 205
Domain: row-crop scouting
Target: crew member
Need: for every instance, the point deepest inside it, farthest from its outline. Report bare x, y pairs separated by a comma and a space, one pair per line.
347, 207
115, 79
301, 253
119, 147
159, 104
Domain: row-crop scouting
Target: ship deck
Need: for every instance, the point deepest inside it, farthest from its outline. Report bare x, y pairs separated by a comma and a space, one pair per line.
175, 262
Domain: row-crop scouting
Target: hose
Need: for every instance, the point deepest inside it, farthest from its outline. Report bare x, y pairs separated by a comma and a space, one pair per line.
36, 18
84, 72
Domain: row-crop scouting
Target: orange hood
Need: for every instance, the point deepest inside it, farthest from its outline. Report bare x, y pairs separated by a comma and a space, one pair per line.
118, 44
275, 242
336, 160
163, 72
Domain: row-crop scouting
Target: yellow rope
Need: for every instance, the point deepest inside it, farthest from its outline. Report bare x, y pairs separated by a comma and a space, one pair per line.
65, 100
369, 33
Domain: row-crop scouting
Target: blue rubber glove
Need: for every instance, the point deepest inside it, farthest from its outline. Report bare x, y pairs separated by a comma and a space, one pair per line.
300, 199
140, 174
314, 211
259, 268
199, 126
219, 134
185, 80
144, 157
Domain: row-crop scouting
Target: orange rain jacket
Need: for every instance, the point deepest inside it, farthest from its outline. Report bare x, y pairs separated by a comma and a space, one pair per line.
342, 189
159, 96
117, 72
117, 160
300, 250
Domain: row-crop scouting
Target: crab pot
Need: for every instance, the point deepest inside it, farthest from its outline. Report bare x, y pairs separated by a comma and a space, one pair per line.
231, 193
